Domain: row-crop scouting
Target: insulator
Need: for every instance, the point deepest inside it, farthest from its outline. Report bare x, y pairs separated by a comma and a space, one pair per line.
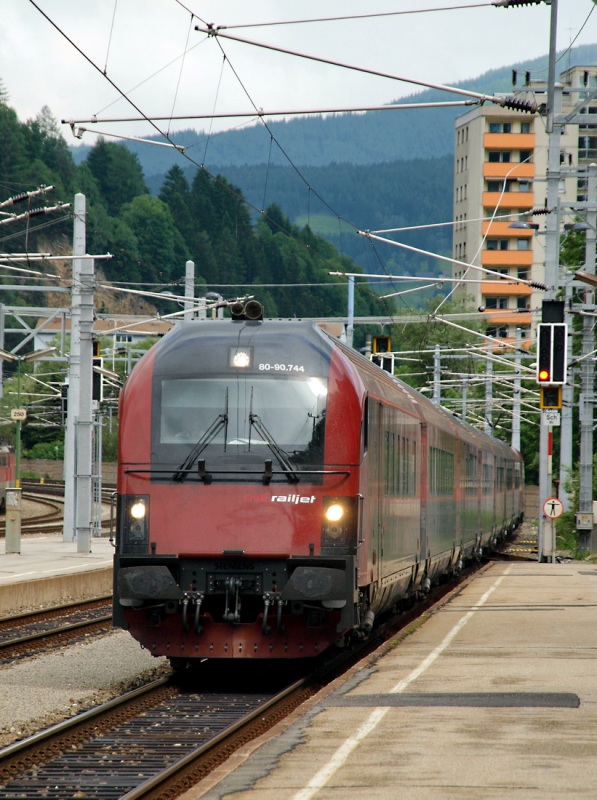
35, 212
512, 3
540, 211
18, 198
519, 105
537, 285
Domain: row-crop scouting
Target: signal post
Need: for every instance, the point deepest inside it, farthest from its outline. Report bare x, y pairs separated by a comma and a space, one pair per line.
552, 347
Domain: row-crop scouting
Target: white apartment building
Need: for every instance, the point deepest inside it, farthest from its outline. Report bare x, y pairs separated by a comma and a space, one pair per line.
500, 168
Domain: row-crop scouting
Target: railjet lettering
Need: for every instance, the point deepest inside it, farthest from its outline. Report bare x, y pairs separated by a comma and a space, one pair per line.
292, 498
295, 499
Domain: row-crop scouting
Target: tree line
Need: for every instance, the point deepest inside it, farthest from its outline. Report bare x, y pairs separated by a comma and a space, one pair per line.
204, 219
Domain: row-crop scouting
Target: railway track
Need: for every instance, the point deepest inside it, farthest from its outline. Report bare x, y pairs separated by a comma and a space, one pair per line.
29, 633
48, 519
160, 740
50, 497
131, 746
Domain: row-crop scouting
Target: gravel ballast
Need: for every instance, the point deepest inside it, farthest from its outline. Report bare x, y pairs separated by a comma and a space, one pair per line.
44, 689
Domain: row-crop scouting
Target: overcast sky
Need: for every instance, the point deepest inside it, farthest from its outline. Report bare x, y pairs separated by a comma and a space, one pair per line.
151, 52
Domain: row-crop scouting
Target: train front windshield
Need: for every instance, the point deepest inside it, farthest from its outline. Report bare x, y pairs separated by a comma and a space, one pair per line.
235, 424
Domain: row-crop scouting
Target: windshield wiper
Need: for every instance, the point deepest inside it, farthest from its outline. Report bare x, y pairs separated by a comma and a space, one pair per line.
282, 457
221, 421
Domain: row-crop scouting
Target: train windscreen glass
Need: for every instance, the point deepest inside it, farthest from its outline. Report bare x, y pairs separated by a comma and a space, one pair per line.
238, 423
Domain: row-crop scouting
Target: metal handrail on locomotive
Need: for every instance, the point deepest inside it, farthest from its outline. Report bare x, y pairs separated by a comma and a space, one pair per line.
277, 492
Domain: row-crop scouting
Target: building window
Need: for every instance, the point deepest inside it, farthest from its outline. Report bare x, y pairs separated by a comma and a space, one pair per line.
522, 274
523, 244
498, 156
498, 186
497, 244
522, 303
499, 332
496, 302
500, 127
525, 127
526, 155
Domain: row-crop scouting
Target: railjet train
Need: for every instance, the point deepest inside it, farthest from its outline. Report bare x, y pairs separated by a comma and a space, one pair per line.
277, 491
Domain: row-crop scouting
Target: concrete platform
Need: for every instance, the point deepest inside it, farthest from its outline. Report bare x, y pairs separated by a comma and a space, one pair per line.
49, 570
494, 695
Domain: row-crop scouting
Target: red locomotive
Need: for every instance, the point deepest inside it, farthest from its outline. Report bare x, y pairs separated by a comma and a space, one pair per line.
277, 491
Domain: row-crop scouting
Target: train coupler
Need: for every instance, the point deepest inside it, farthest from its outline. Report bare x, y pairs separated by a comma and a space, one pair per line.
270, 599
191, 598
232, 587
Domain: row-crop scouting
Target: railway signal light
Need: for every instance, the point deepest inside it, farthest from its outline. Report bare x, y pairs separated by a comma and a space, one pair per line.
64, 402
382, 353
381, 344
551, 353
97, 380
550, 397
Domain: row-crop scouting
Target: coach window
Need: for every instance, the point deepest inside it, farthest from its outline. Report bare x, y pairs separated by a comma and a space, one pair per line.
487, 479
471, 473
399, 465
441, 471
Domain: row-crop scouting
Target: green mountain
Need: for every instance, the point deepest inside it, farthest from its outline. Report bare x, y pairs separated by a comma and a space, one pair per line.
373, 170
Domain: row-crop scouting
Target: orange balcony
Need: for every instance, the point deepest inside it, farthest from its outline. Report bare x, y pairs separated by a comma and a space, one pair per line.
509, 141
507, 258
505, 289
509, 169
520, 200
496, 317
502, 346
502, 229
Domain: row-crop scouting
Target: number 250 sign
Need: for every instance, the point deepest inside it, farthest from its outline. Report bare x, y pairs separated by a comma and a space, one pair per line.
18, 414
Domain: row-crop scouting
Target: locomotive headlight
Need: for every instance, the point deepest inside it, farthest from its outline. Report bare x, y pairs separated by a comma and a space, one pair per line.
138, 510
334, 512
133, 523
339, 525
317, 386
240, 357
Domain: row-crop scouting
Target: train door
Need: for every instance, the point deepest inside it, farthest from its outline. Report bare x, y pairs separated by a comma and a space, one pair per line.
424, 550
376, 454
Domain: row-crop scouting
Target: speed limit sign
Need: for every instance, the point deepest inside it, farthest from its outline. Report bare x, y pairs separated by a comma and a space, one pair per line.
18, 414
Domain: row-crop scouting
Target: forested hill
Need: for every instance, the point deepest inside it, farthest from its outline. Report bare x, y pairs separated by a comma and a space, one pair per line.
150, 238
375, 170
338, 199
368, 138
